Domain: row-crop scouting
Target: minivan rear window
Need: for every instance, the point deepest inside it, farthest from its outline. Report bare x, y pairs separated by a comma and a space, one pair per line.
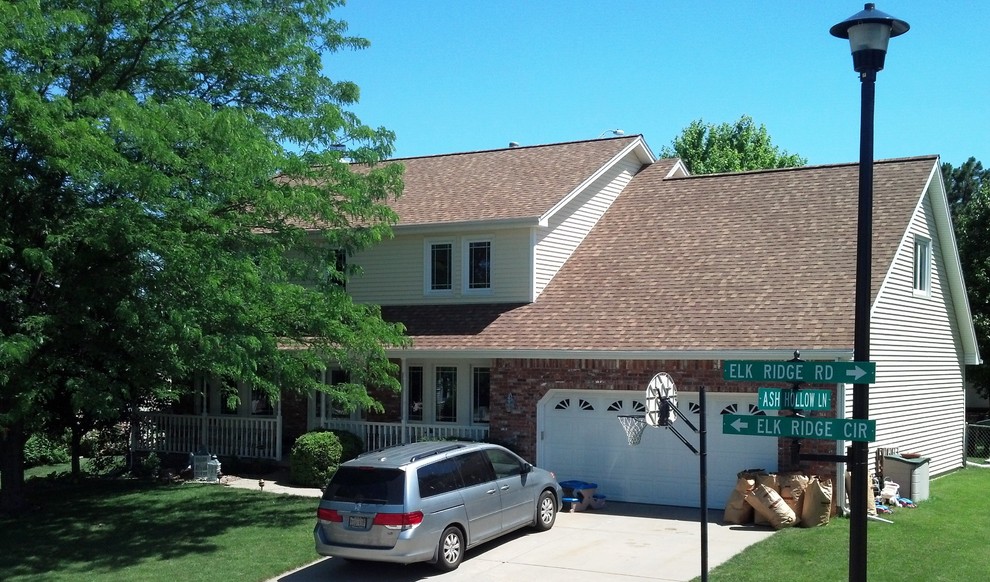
366, 485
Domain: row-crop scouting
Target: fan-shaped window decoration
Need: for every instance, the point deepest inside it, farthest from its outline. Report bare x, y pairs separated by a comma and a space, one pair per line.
638, 406
730, 409
564, 404
584, 404
694, 407
615, 406
754, 409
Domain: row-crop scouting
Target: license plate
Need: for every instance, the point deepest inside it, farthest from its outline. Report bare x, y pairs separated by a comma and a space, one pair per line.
355, 522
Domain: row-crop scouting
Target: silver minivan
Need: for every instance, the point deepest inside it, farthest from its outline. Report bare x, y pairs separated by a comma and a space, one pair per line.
429, 502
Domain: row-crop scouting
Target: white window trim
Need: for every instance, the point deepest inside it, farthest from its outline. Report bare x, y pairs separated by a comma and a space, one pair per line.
466, 265
924, 289
428, 267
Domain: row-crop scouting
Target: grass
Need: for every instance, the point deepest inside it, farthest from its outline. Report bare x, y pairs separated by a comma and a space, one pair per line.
140, 531
944, 538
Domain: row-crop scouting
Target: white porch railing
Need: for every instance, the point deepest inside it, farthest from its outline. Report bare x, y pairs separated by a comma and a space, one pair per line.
221, 435
377, 435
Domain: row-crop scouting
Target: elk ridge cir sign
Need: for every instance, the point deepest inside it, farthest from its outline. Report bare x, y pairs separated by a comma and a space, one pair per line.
830, 429
813, 372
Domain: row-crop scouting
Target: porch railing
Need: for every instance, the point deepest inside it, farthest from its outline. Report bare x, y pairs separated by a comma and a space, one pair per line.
377, 435
221, 435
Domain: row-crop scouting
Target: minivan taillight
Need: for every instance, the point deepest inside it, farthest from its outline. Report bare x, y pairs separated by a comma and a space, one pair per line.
329, 515
399, 520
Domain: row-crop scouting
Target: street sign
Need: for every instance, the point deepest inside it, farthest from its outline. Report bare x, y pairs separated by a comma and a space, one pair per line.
829, 429
780, 398
814, 372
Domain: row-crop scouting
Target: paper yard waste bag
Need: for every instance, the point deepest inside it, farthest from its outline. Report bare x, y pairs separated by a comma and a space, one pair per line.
770, 481
817, 502
769, 504
792, 486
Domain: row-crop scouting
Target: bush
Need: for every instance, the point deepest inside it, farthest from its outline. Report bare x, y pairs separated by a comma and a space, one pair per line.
43, 450
351, 444
314, 459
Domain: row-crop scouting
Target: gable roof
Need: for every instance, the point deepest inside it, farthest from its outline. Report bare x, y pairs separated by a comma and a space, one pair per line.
738, 262
517, 183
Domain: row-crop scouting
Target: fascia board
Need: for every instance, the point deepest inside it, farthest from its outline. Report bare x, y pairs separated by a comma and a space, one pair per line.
637, 146
516, 354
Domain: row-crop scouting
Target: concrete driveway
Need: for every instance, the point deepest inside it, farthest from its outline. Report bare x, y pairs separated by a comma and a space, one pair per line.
621, 542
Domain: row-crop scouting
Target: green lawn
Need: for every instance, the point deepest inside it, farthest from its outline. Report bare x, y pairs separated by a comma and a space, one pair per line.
137, 531
945, 538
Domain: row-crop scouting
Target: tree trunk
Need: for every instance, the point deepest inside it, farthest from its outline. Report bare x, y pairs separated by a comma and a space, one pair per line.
74, 447
12, 499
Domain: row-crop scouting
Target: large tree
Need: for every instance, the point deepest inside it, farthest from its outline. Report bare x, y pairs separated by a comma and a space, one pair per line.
740, 146
968, 190
172, 202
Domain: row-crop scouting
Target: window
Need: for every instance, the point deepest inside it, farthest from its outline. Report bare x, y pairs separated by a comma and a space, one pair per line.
415, 393
440, 267
922, 265
481, 380
439, 477
505, 464
335, 377
260, 403
446, 394
479, 265
475, 468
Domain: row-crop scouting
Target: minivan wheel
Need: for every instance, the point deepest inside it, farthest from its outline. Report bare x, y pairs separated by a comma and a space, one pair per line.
451, 550
546, 511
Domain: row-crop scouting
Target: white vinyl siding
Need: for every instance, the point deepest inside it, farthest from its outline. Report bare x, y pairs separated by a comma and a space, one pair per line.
918, 400
393, 272
569, 226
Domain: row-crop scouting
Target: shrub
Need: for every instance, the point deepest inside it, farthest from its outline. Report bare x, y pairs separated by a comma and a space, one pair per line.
43, 450
351, 444
314, 459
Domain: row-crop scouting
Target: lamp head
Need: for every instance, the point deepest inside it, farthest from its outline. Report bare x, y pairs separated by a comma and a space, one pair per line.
868, 32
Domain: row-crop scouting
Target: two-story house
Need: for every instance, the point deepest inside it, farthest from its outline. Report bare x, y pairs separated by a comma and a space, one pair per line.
543, 287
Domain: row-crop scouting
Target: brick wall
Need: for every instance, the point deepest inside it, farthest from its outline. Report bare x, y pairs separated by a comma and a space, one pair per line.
518, 385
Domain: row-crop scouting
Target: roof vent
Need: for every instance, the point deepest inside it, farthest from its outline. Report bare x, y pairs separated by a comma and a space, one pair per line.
513, 144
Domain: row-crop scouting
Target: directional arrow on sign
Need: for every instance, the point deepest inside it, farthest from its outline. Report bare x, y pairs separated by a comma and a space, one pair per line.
739, 425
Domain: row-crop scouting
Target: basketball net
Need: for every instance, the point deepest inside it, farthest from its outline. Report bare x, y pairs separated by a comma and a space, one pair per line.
634, 425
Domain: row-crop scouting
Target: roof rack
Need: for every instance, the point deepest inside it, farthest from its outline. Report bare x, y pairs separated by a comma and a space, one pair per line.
441, 450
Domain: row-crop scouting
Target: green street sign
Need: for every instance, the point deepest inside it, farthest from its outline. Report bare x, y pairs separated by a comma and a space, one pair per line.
781, 398
814, 372
828, 429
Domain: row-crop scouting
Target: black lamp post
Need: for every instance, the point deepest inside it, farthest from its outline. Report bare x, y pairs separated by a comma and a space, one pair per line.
868, 33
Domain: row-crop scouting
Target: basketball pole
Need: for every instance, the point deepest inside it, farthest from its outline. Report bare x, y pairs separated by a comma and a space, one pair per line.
703, 475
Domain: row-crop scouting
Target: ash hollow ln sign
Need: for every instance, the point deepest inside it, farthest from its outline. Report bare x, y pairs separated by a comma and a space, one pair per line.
813, 372
786, 398
832, 429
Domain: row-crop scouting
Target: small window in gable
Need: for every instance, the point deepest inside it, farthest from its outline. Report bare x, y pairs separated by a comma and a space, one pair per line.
922, 265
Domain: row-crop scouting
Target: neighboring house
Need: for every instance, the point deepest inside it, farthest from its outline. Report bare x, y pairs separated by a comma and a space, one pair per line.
543, 287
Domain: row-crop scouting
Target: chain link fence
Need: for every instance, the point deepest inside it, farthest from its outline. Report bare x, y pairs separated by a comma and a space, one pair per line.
978, 443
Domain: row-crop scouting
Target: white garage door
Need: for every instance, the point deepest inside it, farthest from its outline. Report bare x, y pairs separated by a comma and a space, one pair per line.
581, 438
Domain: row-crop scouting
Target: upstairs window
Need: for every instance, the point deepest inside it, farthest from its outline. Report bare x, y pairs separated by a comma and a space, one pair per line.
922, 265
479, 265
439, 267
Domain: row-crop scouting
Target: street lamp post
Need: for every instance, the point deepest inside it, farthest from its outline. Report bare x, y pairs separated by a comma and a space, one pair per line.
868, 32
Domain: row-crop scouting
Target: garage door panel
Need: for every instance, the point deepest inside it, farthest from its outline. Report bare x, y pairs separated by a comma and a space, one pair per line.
582, 439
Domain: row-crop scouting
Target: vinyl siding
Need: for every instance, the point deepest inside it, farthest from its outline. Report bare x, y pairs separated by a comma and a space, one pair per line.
568, 227
394, 270
919, 398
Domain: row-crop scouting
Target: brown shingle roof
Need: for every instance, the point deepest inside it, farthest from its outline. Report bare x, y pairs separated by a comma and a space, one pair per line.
520, 182
758, 260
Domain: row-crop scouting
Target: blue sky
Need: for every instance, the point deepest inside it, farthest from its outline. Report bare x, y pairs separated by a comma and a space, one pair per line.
452, 76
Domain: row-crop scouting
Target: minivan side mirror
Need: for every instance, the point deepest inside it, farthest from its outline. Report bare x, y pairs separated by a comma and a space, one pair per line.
527, 468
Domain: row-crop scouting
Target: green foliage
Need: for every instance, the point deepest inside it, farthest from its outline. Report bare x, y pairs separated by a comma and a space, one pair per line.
351, 444
968, 189
314, 458
712, 149
171, 205
44, 450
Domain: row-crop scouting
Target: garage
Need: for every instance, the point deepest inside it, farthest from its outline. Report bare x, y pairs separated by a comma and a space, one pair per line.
581, 438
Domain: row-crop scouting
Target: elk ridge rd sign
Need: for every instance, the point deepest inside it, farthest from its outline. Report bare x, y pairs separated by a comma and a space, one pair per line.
832, 429
813, 372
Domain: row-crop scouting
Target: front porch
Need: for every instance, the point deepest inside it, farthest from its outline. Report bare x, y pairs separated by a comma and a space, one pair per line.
377, 435
226, 436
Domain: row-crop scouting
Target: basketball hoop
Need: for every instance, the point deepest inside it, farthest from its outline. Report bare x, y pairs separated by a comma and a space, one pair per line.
634, 425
